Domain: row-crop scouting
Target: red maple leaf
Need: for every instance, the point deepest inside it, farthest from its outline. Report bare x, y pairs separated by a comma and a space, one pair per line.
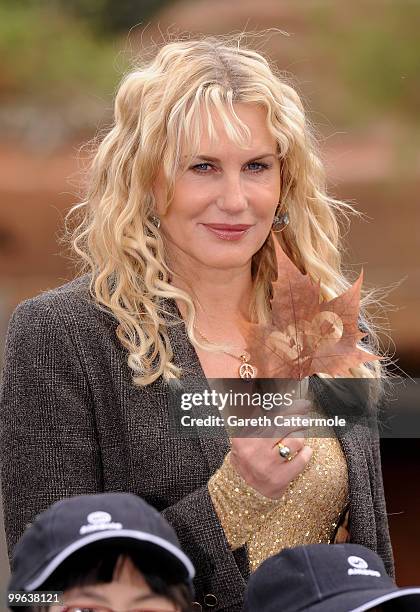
307, 336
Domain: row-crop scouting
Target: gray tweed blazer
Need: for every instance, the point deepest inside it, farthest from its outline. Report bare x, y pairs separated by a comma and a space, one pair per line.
72, 422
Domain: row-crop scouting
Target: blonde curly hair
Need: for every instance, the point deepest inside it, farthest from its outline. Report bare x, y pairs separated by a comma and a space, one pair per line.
158, 108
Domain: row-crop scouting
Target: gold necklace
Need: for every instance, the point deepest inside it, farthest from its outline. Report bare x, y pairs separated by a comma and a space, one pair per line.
246, 370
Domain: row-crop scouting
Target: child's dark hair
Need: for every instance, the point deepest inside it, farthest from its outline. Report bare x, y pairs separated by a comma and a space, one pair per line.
98, 562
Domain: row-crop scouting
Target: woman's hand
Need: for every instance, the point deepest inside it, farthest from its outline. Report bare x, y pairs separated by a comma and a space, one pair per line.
258, 461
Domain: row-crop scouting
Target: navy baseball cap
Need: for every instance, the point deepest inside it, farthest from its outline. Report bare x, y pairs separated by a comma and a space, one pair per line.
326, 578
77, 522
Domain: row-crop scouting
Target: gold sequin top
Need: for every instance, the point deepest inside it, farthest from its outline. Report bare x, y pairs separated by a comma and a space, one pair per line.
306, 514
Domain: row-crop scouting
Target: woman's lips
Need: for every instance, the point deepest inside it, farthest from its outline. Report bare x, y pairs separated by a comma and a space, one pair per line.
227, 232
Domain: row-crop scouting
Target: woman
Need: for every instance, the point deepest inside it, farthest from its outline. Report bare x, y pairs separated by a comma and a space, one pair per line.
210, 152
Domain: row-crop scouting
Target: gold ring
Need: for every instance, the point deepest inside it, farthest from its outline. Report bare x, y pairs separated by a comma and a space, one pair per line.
284, 451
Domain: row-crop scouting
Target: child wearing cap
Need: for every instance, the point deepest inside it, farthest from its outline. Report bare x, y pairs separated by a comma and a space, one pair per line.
327, 578
102, 552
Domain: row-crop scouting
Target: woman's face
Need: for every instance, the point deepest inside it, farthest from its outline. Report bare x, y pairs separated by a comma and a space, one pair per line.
127, 591
224, 203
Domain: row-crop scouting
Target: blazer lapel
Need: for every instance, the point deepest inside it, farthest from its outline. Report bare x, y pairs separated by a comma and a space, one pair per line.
354, 441
215, 443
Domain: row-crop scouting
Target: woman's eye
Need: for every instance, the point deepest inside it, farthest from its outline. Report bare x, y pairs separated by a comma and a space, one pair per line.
199, 167
258, 166
254, 166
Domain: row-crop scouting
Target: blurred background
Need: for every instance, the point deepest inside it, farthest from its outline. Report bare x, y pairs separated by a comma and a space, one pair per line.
357, 69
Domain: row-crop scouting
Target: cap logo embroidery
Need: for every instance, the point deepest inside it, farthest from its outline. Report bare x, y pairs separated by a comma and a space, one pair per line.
360, 567
99, 521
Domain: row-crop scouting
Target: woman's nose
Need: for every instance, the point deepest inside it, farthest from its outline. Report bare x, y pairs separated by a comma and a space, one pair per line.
232, 197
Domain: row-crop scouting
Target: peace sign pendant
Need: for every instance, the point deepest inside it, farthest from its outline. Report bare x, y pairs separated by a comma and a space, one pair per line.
246, 370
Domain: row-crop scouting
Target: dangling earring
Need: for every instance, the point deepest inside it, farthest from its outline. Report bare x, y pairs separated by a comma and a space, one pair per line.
156, 221
280, 221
